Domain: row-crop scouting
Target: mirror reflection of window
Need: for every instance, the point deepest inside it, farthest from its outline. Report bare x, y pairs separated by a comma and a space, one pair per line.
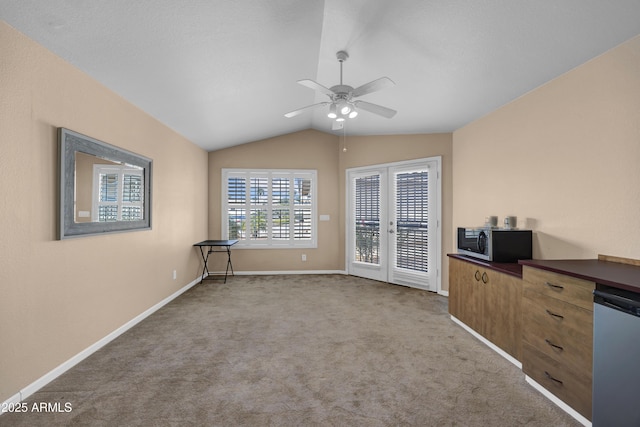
107, 191
117, 193
84, 185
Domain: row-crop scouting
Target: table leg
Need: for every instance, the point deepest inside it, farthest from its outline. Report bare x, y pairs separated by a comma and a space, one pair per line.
205, 269
228, 264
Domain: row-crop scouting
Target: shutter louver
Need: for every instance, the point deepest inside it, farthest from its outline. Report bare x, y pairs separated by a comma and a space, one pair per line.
236, 211
367, 219
412, 237
281, 213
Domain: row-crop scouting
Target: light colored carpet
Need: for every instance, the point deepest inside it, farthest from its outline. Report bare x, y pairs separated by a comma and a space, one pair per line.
300, 350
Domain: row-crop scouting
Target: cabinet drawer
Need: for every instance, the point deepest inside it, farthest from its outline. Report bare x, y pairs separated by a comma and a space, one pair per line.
566, 288
574, 390
560, 330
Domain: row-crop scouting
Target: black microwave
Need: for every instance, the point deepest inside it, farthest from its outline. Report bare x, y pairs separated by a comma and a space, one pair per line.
495, 244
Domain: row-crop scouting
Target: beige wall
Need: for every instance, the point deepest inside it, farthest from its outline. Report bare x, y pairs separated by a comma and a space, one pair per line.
564, 157
59, 297
308, 149
316, 150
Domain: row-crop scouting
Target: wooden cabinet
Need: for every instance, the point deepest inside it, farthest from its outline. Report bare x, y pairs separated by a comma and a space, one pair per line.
489, 302
465, 302
558, 335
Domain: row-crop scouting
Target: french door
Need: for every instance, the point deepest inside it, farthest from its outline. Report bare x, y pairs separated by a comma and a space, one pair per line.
393, 223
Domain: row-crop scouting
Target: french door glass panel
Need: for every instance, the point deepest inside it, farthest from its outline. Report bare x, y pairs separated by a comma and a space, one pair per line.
367, 219
367, 235
411, 242
393, 223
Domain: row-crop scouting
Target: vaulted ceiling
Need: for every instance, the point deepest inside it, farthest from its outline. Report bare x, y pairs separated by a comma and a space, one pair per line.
224, 72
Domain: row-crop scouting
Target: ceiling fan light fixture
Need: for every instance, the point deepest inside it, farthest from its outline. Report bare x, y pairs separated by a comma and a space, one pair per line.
340, 119
345, 108
332, 111
353, 114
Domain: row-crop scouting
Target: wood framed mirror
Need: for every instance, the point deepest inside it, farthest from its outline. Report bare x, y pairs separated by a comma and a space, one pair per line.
103, 188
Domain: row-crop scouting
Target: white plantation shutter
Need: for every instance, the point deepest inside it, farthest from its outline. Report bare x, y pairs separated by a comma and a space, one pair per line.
303, 219
270, 208
367, 219
281, 213
412, 220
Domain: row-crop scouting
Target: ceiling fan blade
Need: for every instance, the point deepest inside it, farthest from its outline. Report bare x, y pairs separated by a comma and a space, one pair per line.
316, 86
375, 109
381, 83
303, 109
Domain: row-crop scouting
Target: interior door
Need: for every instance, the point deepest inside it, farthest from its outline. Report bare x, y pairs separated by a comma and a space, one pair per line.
393, 223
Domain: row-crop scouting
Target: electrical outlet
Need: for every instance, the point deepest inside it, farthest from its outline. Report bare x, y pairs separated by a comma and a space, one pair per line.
175, 274
304, 257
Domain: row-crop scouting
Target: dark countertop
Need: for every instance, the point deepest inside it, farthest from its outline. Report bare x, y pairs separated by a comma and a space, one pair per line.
510, 268
615, 274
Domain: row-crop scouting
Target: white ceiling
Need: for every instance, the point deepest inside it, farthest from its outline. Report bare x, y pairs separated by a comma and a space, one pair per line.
224, 72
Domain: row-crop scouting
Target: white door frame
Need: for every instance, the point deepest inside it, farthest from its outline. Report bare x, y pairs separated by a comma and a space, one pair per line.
437, 212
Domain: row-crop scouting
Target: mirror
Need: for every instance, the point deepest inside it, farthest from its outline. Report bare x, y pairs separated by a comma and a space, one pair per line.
103, 188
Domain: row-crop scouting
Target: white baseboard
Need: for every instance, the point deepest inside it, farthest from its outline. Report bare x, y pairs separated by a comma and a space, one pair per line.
280, 272
443, 293
12, 400
568, 409
488, 343
64, 367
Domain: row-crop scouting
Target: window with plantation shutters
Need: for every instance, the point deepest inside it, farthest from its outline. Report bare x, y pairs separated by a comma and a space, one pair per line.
269, 208
117, 193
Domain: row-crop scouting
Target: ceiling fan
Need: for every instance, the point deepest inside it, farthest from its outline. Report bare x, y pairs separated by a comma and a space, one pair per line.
342, 103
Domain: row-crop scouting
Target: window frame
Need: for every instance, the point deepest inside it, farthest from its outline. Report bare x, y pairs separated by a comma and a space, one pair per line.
270, 174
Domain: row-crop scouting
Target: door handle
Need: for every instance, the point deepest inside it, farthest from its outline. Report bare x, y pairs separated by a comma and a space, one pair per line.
556, 315
557, 381
556, 346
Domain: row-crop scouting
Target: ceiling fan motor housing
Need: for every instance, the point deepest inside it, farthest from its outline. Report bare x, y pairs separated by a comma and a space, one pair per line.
342, 92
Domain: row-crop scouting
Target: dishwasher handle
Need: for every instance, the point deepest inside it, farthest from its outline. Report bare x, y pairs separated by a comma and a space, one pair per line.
617, 302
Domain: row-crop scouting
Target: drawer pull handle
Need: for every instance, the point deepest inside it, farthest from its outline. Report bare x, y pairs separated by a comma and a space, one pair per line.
551, 313
553, 345
552, 379
477, 276
485, 278
551, 285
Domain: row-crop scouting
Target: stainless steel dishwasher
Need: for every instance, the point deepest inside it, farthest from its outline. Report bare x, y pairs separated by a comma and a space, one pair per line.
616, 358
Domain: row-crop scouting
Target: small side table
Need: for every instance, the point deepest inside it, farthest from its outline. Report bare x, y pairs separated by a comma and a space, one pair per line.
211, 246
